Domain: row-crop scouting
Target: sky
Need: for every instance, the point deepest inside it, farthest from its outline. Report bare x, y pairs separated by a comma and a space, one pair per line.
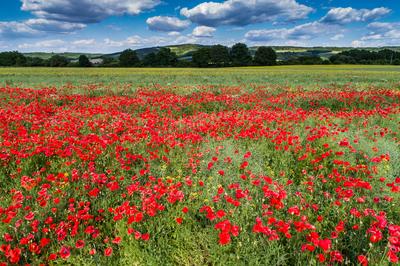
106, 26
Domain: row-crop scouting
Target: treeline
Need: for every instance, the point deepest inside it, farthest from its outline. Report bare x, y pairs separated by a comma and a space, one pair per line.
19, 60
365, 57
212, 56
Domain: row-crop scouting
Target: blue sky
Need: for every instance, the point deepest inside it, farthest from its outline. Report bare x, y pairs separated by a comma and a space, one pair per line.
113, 25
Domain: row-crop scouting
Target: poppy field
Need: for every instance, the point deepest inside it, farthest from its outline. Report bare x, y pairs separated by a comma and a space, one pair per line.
211, 173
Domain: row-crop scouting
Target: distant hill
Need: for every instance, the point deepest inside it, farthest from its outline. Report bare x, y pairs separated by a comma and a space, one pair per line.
181, 51
185, 51
70, 56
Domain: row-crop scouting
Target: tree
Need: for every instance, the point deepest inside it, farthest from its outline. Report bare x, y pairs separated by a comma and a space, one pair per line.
12, 59
150, 60
128, 58
58, 61
201, 57
219, 55
308, 60
357, 56
84, 61
265, 56
240, 55
34, 61
165, 57
109, 61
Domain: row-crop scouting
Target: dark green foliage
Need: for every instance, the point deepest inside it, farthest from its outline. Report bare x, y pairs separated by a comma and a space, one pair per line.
240, 55
209, 56
219, 55
201, 57
165, 57
35, 62
12, 59
58, 61
265, 56
84, 61
365, 57
109, 62
150, 60
306, 60
128, 58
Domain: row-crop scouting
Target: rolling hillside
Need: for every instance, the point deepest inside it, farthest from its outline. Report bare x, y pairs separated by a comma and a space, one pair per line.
70, 56
185, 51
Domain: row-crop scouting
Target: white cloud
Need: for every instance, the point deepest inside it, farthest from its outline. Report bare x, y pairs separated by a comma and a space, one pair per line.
333, 21
54, 45
36, 27
167, 24
357, 44
63, 16
381, 34
379, 27
174, 33
347, 15
203, 32
85, 11
337, 37
14, 29
302, 32
135, 41
45, 25
84, 42
387, 32
244, 12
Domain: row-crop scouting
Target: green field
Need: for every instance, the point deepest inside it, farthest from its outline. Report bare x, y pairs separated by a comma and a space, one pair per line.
308, 77
286, 165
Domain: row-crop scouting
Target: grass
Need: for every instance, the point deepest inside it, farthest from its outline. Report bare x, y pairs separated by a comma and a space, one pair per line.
62, 144
308, 77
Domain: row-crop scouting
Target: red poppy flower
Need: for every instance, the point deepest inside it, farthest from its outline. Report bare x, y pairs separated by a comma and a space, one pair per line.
108, 252
80, 244
65, 252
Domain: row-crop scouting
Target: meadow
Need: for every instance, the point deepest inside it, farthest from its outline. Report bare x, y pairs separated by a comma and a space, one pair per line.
294, 165
305, 76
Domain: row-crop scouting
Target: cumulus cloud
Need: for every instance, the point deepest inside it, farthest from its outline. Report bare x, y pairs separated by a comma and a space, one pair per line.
379, 27
56, 16
85, 11
383, 31
347, 15
244, 12
337, 37
53, 26
134, 41
302, 32
36, 27
334, 20
84, 42
167, 24
357, 44
203, 32
43, 44
14, 29
58, 45
174, 33
380, 34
